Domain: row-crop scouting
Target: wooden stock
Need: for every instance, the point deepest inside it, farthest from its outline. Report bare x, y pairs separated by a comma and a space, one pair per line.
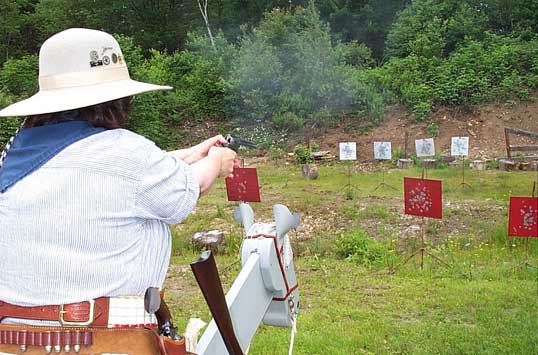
207, 276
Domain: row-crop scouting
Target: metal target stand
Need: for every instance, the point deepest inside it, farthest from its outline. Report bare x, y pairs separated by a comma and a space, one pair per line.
383, 183
526, 263
349, 161
463, 184
422, 251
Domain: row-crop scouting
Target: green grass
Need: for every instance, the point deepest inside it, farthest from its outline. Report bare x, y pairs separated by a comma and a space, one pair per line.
481, 305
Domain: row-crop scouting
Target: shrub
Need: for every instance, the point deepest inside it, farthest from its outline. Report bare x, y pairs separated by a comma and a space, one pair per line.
303, 155
19, 76
397, 154
289, 65
8, 126
358, 55
358, 247
431, 28
433, 129
288, 121
200, 93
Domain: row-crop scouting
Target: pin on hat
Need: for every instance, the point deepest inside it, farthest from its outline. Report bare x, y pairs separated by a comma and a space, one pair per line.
79, 68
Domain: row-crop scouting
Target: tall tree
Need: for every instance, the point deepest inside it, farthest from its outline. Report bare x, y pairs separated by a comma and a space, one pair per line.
202, 5
16, 37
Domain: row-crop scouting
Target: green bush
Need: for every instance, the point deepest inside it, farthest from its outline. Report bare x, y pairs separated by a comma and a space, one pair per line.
19, 76
303, 155
433, 28
433, 129
199, 94
494, 68
290, 65
358, 247
288, 121
8, 126
358, 55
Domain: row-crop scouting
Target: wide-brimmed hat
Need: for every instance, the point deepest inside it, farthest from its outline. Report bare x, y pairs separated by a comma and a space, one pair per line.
79, 68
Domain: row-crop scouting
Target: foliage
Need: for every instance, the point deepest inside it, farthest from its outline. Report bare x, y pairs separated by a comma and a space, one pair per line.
303, 155
357, 246
289, 71
287, 121
291, 65
433, 28
19, 76
358, 55
366, 21
397, 154
8, 126
200, 92
433, 129
496, 68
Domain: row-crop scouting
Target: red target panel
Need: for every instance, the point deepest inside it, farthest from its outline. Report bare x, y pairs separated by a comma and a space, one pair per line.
523, 217
423, 197
243, 186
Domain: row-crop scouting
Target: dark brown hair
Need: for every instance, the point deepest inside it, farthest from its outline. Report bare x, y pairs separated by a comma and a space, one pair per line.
109, 115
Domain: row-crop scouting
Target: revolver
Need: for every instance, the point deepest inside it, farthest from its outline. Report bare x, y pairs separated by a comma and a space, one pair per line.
234, 143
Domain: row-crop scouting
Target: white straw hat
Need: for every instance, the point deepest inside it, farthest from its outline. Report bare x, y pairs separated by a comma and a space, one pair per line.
79, 68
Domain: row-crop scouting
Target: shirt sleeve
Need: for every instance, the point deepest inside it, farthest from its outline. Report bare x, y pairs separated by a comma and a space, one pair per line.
167, 189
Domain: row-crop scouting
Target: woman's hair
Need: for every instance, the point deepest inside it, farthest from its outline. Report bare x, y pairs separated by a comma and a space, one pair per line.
109, 115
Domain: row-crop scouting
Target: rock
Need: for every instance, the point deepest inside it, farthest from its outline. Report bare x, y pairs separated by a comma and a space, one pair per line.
405, 163
310, 171
211, 240
478, 165
506, 165
429, 163
525, 166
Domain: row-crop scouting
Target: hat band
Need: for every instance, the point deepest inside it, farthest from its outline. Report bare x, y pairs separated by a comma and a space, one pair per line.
85, 78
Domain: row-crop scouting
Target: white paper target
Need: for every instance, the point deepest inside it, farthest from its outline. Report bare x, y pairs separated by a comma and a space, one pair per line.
460, 146
424, 147
348, 151
382, 151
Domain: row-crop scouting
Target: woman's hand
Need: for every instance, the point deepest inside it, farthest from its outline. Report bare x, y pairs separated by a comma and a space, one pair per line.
227, 158
219, 163
193, 154
201, 150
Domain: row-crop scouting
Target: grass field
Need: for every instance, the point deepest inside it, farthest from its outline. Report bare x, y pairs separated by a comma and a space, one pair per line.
349, 238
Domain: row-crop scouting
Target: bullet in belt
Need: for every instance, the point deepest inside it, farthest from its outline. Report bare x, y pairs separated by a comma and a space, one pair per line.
48, 342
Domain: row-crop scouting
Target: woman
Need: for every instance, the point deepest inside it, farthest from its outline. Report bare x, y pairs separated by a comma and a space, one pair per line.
84, 203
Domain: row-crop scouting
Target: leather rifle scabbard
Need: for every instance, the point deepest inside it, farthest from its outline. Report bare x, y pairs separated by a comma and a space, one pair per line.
207, 275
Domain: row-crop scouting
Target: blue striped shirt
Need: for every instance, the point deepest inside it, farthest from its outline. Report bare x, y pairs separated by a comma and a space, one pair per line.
92, 221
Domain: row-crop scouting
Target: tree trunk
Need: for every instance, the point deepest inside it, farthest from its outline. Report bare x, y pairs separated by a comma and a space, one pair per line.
203, 11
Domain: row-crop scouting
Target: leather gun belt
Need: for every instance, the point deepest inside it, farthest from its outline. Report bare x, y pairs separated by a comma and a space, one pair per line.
89, 313
32, 340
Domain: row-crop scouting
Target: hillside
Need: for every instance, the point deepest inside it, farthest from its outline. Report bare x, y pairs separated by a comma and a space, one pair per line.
484, 126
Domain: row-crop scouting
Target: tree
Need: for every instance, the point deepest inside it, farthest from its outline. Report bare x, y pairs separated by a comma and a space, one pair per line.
434, 28
288, 67
15, 35
203, 11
